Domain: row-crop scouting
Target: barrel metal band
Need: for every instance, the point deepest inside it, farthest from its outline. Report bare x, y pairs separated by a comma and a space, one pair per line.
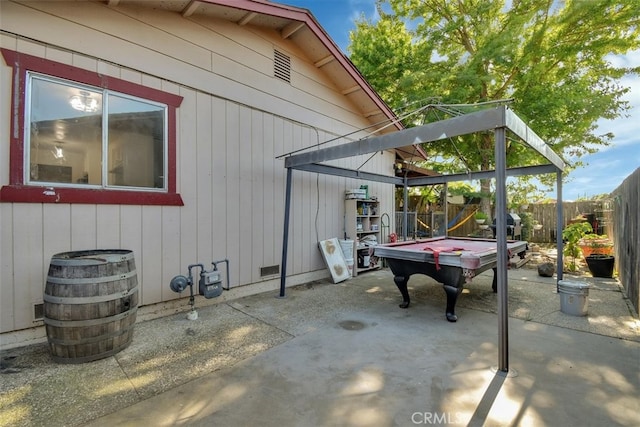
91, 258
89, 300
91, 357
88, 322
90, 280
91, 340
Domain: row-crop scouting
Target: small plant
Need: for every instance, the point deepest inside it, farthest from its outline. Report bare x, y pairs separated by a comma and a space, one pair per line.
481, 216
572, 234
595, 244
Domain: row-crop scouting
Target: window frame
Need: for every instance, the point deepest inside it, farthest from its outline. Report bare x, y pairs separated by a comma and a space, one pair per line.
19, 191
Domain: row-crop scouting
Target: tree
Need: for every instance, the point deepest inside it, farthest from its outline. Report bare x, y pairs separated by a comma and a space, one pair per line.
550, 58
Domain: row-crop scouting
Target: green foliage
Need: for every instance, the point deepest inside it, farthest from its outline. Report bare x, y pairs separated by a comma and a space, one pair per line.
522, 193
603, 196
526, 221
593, 236
551, 58
596, 241
465, 189
481, 215
572, 234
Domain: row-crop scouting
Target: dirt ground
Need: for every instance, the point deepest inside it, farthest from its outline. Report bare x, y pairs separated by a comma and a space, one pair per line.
546, 252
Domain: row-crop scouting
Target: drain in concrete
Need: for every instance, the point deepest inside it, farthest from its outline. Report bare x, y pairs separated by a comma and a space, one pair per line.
351, 325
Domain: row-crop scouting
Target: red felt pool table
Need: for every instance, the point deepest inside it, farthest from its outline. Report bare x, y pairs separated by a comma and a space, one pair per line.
452, 261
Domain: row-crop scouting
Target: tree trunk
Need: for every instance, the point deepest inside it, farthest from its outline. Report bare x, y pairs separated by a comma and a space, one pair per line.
485, 201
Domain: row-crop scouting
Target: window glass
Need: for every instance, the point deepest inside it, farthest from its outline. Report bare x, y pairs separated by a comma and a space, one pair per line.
136, 143
73, 142
64, 134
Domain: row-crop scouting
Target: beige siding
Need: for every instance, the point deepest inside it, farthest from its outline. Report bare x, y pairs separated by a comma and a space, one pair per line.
234, 121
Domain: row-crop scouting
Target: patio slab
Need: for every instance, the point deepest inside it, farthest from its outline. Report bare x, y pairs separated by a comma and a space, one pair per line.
347, 355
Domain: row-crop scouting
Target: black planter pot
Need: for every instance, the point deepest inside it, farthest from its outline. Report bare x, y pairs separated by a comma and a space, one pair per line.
601, 265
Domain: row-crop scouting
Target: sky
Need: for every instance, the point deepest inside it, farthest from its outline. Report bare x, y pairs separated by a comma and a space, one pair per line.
604, 170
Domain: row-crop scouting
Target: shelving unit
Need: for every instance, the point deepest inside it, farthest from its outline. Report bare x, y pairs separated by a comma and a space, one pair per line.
362, 221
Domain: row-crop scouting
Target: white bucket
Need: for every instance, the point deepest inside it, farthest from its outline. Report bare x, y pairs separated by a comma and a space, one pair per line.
349, 262
367, 260
347, 249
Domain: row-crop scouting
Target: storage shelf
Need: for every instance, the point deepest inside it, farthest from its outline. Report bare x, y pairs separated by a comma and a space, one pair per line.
354, 216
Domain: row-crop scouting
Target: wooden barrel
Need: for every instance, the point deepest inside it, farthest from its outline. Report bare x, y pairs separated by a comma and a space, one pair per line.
90, 304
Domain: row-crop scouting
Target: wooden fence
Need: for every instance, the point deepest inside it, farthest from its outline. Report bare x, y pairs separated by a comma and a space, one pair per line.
626, 235
598, 213
617, 217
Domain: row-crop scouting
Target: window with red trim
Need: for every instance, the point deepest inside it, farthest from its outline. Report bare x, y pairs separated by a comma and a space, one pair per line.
81, 137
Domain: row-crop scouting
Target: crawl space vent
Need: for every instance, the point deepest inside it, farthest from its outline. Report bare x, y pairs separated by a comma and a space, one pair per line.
270, 270
282, 66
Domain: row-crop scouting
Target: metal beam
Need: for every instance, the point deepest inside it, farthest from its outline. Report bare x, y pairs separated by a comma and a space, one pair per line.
425, 180
469, 123
350, 173
518, 127
456, 177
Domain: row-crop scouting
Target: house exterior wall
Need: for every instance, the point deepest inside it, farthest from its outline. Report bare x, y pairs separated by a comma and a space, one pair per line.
233, 122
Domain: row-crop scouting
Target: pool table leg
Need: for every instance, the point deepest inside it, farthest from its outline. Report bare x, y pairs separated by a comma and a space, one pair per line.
494, 284
452, 296
401, 283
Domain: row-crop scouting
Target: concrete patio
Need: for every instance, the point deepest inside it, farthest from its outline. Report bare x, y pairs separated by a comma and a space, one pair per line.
346, 355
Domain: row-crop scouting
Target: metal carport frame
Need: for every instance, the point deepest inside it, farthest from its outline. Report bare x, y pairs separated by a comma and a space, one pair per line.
499, 120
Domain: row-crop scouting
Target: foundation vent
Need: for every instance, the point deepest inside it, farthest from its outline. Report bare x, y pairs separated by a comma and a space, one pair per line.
270, 270
38, 311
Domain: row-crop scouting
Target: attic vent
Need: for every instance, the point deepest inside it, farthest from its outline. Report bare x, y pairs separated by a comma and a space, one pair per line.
282, 66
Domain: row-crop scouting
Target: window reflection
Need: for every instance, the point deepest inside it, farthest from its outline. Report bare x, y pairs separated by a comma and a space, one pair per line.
65, 143
66, 137
136, 143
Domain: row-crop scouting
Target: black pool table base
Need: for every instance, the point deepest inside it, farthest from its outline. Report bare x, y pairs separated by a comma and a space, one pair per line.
452, 280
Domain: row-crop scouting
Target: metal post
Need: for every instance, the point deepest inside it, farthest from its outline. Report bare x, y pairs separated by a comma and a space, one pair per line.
559, 225
445, 207
285, 233
405, 207
501, 241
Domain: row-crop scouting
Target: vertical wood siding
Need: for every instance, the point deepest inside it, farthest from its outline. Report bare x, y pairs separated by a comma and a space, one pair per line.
234, 121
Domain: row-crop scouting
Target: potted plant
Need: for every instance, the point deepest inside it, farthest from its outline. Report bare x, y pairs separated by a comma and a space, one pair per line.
600, 265
571, 235
595, 244
481, 217
536, 225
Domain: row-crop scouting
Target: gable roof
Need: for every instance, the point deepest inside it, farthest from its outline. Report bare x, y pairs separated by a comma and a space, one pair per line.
300, 27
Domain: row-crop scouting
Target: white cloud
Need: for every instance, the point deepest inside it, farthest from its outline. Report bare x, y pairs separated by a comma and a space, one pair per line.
367, 8
630, 59
626, 129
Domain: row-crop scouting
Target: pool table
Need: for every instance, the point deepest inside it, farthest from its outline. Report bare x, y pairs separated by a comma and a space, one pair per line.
452, 261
